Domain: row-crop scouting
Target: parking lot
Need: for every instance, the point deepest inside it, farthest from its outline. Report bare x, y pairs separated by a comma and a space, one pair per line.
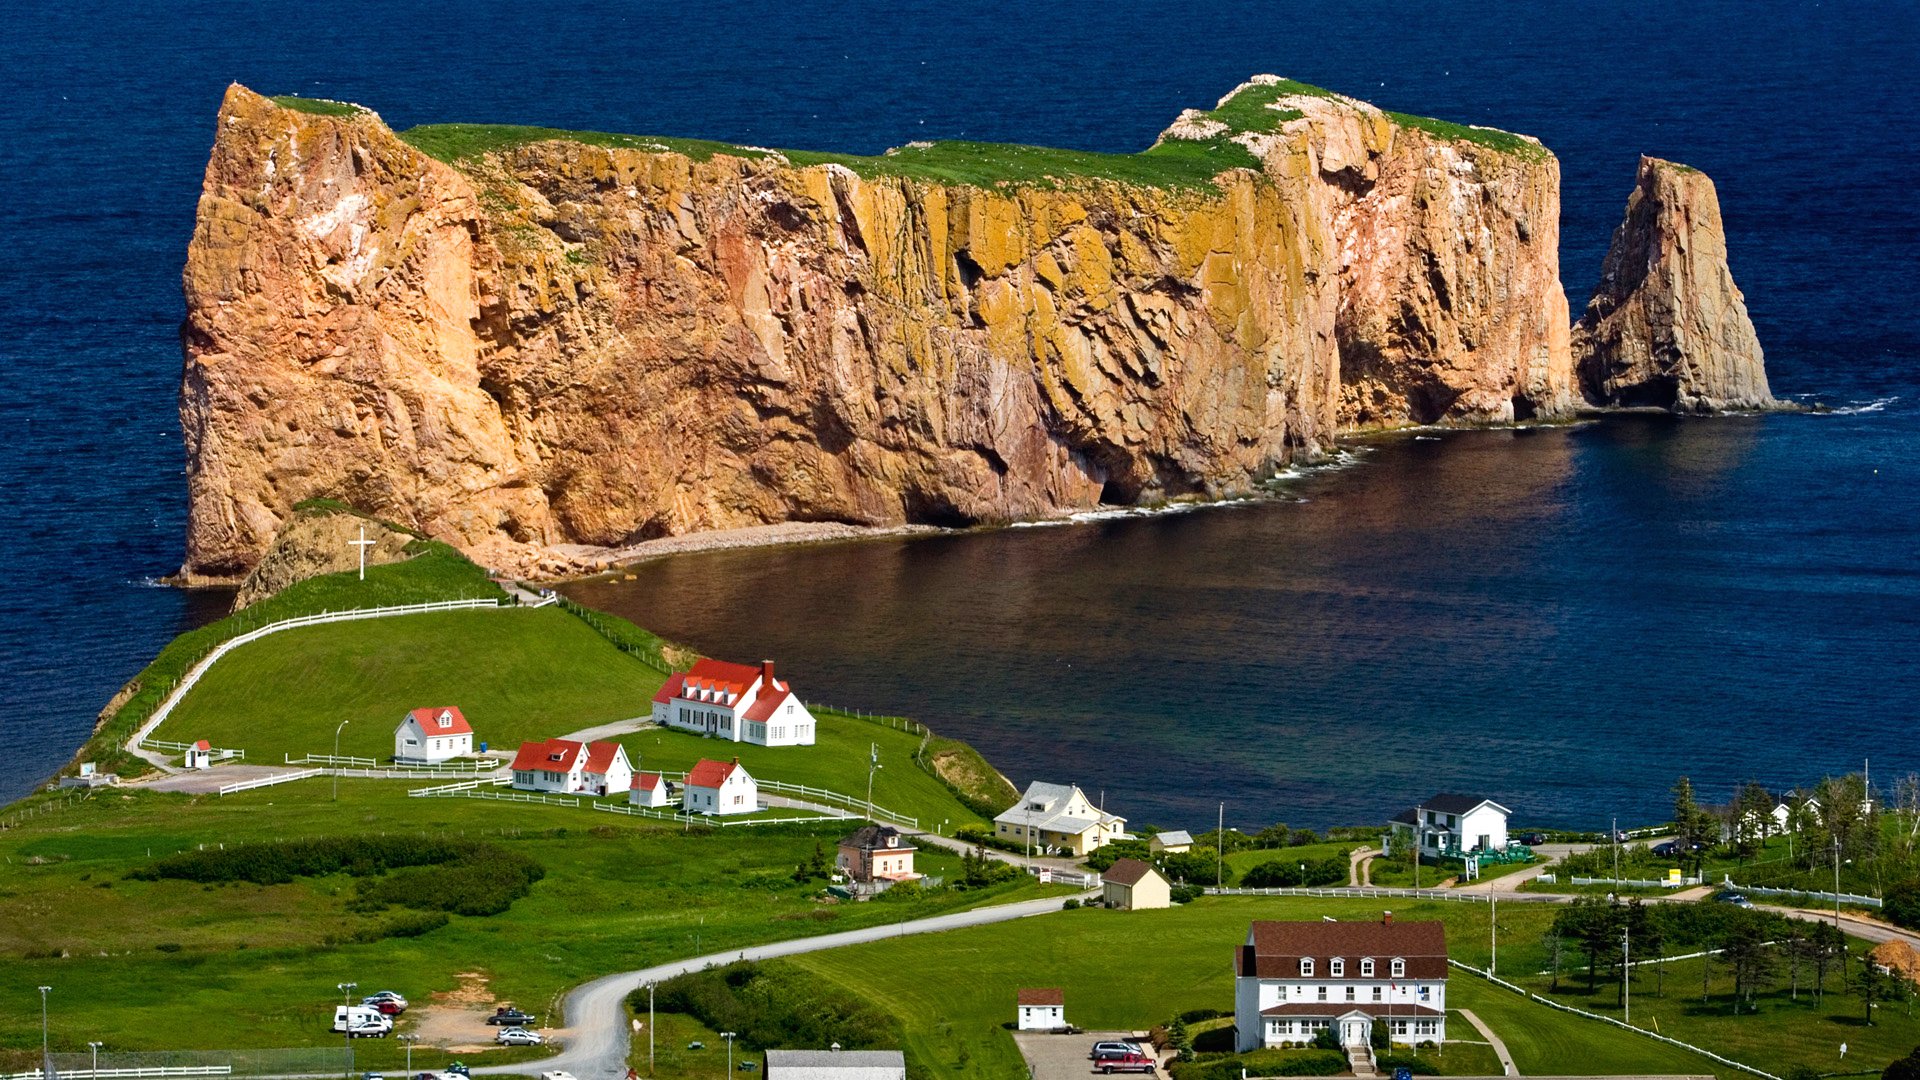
1064, 1057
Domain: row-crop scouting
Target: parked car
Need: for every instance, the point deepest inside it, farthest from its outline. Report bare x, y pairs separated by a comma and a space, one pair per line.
518, 1036
361, 1021
1113, 1053
387, 1002
1109, 1047
1728, 896
372, 1076
556, 1074
459, 1069
1134, 1062
1666, 848
1531, 839
507, 1016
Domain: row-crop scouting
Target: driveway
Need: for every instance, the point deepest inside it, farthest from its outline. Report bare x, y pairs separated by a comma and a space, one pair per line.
1064, 1057
209, 781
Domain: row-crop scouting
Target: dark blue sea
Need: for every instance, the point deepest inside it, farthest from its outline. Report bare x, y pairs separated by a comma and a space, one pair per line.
1565, 619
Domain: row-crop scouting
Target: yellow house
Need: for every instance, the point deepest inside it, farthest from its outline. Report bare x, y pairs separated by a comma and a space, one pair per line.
1132, 885
1060, 817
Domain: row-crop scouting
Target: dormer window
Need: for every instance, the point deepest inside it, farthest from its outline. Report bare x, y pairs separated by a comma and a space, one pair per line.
1366, 967
1306, 967
1399, 968
1336, 967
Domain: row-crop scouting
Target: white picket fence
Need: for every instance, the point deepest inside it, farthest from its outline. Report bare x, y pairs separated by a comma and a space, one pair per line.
1550, 1003
1051, 876
269, 781
193, 675
1364, 891
460, 787
418, 768
217, 753
1628, 883
127, 1073
1845, 898
847, 801
702, 819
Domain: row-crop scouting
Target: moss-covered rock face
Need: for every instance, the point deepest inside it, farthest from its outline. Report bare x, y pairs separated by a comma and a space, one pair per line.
540, 344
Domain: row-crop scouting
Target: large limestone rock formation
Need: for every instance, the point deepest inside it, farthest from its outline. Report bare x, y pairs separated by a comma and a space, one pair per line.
557, 343
315, 542
1667, 327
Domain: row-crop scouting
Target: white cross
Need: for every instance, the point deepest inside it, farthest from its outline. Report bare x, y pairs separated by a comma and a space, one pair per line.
363, 544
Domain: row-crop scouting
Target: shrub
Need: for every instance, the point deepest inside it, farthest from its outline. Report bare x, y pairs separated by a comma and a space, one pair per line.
168, 946
1105, 856
1184, 894
1902, 905
772, 1009
1069, 903
483, 883
428, 873
1284, 873
1194, 1016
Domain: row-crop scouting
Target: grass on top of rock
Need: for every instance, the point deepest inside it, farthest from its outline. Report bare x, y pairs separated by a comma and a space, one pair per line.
317, 106
1168, 164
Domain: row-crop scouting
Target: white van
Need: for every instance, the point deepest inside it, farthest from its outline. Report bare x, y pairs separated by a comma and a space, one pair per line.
362, 1021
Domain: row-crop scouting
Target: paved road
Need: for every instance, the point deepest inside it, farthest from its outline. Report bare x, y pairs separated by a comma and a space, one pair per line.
598, 1019
1499, 1048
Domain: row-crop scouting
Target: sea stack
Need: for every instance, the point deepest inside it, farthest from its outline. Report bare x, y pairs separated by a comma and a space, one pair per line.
1667, 328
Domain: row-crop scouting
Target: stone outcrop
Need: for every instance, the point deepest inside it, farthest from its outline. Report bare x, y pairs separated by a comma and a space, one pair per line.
318, 542
1667, 327
562, 343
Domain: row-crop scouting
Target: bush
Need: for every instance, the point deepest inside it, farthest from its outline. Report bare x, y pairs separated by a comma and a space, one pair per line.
1262, 1063
1284, 873
1185, 894
772, 1010
463, 877
1194, 1016
1105, 856
1902, 905
1069, 904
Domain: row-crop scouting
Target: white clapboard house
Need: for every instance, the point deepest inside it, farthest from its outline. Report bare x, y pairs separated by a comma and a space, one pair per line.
566, 767
1454, 825
1293, 980
432, 735
736, 702
719, 788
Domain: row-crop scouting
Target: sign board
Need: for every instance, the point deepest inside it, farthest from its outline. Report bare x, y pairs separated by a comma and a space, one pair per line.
1673, 876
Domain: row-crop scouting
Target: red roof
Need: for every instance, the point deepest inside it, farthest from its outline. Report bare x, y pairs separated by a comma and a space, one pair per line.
552, 755
600, 756
1041, 996
646, 781
429, 721
718, 676
671, 690
766, 703
711, 774
203, 745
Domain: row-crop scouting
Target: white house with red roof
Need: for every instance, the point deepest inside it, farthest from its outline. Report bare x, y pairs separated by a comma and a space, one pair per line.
565, 767
737, 702
432, 735
199, 755
1293, 980
719, 788
650, 790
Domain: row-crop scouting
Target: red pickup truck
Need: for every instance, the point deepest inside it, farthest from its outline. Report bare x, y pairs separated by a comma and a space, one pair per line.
1130, 1063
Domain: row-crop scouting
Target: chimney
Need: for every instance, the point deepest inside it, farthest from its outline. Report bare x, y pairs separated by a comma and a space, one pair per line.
1386, 918
766, 672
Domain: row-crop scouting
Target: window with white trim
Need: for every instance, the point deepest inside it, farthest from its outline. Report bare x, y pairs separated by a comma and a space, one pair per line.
1336, 967
1366, 967
1399, 968
1306, 967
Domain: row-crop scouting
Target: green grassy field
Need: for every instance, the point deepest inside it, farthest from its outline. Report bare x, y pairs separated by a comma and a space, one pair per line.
177, 965
1127, 970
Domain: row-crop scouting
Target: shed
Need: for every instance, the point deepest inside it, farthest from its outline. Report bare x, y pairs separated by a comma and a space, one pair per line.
1170, 843
1041, 1009
199, 755
1131, 885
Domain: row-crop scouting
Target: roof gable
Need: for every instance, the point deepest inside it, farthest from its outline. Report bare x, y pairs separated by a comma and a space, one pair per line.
601, 756
445, 720
551, 755
707, 773
1129, 872
1455, 803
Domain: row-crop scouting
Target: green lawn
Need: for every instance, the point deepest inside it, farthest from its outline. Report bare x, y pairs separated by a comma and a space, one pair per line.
247, 965
517, 673
1136, 969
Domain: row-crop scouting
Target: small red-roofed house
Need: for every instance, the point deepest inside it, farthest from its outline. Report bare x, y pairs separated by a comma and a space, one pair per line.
565, 767
719, 788
432, 735
199, 755
607, 771
736, 702
650, 790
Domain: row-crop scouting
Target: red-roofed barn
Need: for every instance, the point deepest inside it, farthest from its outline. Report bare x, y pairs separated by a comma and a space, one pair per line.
432, 735
736, 702
719, 788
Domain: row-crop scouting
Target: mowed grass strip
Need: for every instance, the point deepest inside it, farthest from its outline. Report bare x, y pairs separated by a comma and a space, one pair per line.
516, 673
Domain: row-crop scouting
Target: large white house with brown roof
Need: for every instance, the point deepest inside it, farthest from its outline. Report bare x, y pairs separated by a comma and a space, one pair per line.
565, 767
432, 735
736, 702
1295, 979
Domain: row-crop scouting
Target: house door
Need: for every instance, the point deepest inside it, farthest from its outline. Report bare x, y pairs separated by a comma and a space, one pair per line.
1485, 845
1353, 1033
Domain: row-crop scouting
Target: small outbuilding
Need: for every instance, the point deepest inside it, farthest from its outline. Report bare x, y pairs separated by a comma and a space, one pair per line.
649, 790
1177, 842
1041, 1009
836, 1064
719, 788
1132, 885
199, 755
432, 735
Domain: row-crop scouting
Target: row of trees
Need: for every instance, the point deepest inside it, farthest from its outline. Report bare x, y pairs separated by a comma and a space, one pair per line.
1836, 817
1621, 942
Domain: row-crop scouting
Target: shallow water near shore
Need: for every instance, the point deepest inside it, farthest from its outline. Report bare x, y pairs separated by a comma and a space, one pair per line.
1729, 597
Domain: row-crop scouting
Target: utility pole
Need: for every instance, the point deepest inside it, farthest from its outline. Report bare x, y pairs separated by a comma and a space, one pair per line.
728, 1035
1220, 848
873, 763
408, 1041
1493, 932
1626, 973
336, 764
1836, 881
95, 1047
650, 1029
346, 992
1614, 838
46, 1060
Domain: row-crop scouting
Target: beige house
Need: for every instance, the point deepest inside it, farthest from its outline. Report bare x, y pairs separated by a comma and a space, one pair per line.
1177, 842
1132, 885
1058, 817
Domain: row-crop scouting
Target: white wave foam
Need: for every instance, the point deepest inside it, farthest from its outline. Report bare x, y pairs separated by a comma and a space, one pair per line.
1858, 407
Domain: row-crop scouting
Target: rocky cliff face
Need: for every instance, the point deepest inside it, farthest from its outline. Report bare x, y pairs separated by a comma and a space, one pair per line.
314, 543
1667, 327
567, 342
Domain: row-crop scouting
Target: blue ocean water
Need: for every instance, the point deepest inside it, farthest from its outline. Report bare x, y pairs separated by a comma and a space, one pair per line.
1569, 617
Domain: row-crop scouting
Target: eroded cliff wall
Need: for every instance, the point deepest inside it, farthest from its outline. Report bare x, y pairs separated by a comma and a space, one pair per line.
1668, 328
557, 343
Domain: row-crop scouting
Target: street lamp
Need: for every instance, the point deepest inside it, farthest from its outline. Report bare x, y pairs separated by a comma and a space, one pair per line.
336, 763
728, 1035
409, 1040
650, 1029
95, 1047
44, 991
346, 989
